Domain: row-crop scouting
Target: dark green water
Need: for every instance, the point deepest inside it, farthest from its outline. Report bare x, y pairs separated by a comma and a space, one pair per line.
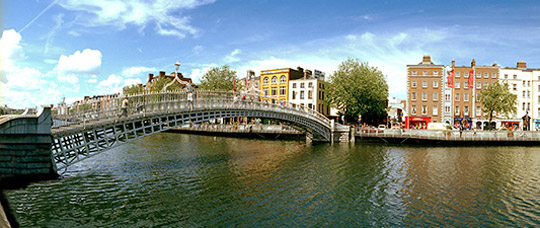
176, 180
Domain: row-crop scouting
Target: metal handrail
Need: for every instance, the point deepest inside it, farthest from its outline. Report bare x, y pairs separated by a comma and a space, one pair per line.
109, 108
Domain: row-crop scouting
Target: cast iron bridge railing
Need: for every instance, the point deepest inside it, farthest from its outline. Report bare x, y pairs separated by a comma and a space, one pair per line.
92, 126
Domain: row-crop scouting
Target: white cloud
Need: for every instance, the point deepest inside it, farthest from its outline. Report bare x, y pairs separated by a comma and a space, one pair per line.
232, 57
92, 79
10, 50
137, 71
114, 83
196, 74
86, 62
164, 14
112, 80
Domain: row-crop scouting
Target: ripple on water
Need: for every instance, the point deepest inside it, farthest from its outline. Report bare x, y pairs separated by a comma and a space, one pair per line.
200, 181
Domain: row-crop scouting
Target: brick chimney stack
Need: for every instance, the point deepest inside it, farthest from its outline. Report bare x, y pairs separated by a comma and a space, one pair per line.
150, 77
522, 65
453, 63
473, 63
161, 74
426, 59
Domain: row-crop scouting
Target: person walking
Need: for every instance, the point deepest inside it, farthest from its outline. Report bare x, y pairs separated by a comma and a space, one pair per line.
125, 105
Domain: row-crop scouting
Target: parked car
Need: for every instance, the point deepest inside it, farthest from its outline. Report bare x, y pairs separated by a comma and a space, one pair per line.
381, 127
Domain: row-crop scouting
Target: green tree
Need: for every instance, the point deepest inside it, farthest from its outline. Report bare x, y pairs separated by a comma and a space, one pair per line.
359, 89
219, 78
133, 89
162, 82
497, 98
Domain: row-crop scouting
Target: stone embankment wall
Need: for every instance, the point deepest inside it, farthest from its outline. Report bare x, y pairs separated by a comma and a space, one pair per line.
25, 148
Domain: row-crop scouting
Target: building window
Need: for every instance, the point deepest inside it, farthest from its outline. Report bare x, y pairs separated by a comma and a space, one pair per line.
456, 97
486, 75
294, 95
505, 76
447, 97
301, 94
478, 75
424, 73
457, 111
424, 84
310, 94
282, 90
528, 94
514, 87
523, 106
435, 96
414, 73
528, 83
294, 85
523, 94
274, 91
493, 75
310, 85
282, 79
413, 85
435, 110
458, 74
457, 85
479, 85
466, 110
265, 92
265, 81
523, 83
466, 75
302, 85
435, 73
447, 109
478, 111
515, 76
466, 85
486, 84
310, 106
465, 97
424, 109
413, 96
274, 80
435, 84
424, 96
413, 109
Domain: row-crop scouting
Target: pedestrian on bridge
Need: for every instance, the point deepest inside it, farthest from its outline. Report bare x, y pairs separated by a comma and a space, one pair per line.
125, 105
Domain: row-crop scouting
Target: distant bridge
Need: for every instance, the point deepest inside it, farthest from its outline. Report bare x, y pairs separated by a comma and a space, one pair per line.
87, 128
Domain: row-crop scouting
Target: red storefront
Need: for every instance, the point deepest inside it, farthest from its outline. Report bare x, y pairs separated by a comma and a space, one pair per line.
416, 122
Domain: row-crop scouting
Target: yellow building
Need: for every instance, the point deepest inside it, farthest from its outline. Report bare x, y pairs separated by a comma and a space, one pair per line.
275, 83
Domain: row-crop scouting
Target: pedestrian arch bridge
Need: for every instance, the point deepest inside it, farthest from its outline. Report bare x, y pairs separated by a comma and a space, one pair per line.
91, 126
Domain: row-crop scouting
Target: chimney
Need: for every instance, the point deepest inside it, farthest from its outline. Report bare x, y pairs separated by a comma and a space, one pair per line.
494, 64
150, 77
453, 63
473, 63
307, 74
300, 69
162, 74
522, 65
426, 59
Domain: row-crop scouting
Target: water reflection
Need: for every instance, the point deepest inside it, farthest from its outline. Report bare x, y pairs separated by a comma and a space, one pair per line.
176, 180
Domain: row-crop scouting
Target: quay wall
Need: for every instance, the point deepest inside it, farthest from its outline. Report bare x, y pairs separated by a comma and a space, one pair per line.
25, 149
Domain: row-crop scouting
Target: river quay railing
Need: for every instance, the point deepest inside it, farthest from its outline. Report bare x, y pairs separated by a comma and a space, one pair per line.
109, 108
448, 135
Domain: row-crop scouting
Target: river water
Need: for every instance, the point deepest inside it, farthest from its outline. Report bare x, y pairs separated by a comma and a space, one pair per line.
179, 180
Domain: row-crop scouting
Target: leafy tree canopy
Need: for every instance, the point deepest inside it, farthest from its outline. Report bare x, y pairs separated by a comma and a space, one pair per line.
132, 89
359, 89
219, 78
497, 98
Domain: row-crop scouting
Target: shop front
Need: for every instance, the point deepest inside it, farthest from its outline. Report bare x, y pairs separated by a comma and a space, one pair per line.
537, 125
465, 122
483, 124
416, 122
510, 124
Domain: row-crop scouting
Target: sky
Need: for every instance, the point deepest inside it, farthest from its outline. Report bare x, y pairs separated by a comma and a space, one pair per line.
50, 49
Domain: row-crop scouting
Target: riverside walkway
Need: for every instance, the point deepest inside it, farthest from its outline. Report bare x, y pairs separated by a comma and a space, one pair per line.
445, 138
240, 129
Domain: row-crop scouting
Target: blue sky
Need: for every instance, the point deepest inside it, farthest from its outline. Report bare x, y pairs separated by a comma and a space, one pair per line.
71, 48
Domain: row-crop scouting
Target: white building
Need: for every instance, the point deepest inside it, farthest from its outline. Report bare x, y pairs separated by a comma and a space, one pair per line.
525, 83
309, 93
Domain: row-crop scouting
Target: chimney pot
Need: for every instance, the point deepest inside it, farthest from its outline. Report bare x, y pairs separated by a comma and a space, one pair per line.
426, 59
522, 65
